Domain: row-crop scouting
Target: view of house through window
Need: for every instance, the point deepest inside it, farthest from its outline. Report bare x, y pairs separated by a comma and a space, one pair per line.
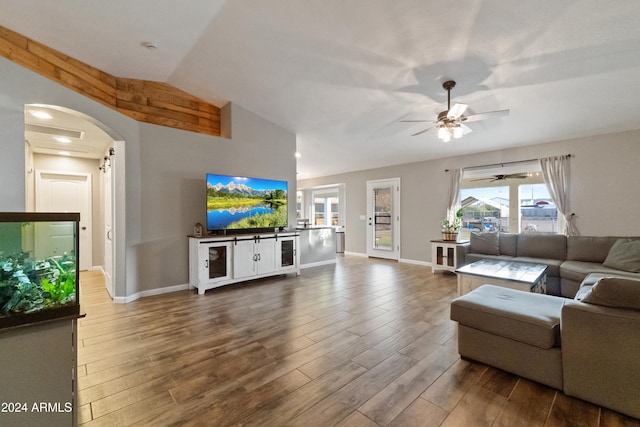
517, 205
485, 208
538, 213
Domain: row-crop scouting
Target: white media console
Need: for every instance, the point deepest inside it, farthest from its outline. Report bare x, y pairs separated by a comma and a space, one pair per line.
221, 260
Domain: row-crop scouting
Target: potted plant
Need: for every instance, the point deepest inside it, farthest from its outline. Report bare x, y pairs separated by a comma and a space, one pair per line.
451, 226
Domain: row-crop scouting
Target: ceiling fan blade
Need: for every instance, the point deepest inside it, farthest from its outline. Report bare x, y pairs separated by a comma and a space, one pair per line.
456, 111
482, 116
517, 175
465, 129
423, 131
417, 121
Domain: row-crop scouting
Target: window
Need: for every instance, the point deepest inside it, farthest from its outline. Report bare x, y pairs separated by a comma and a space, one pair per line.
326, 207
299, 205
507, 200
485, 208
538, 213
322, 205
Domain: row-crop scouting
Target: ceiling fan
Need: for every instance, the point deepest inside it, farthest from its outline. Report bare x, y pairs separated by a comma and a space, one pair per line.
450, 123
503, 177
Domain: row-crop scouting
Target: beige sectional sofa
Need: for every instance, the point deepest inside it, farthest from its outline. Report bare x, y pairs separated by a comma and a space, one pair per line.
569, 258
588, 345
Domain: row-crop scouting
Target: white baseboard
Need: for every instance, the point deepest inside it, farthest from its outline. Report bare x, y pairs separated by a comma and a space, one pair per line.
405, 260
415, 262
317, 264
150, 292
176, 288
356, 254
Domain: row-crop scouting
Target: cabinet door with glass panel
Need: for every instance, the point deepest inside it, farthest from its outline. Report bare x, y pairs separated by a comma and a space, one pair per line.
216, 262
286, 254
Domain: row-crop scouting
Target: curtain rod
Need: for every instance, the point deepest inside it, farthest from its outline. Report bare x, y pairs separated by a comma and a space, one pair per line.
502, 164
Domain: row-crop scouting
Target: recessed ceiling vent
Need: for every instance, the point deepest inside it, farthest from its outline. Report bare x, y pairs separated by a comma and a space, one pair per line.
50, 130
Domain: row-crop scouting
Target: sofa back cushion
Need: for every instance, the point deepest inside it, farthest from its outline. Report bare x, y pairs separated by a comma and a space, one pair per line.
613, 292
484, 243
589, 248
508, 243
624, 255
542, 245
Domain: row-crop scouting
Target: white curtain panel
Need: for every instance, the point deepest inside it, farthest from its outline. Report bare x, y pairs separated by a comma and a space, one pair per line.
555, 173
454, 192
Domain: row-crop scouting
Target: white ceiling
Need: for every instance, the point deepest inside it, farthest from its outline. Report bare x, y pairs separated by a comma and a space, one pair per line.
341, 74
80, 136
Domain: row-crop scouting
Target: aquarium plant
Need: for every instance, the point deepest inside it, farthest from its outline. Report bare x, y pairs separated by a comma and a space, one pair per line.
28, 285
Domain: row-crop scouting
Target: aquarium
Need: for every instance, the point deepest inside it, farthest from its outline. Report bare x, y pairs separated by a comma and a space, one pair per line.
38, 267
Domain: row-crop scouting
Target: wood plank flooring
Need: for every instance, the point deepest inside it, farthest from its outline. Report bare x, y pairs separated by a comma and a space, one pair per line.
364, 342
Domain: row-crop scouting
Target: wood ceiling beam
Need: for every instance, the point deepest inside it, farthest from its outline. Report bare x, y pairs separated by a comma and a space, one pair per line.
143, 100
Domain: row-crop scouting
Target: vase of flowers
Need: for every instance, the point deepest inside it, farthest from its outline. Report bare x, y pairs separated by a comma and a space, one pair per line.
451, 226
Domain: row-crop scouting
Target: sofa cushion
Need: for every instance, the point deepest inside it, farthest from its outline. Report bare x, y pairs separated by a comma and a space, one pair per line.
542, 245
521, 316
587, 284
508, 243
618, 292
624, 255
469, 258
484, 243
578, 270
589, 248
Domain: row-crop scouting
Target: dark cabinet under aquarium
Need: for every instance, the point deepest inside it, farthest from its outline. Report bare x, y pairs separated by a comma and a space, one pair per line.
38, 267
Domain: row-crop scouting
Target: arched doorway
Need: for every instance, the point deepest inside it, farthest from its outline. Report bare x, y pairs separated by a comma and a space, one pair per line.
66, 149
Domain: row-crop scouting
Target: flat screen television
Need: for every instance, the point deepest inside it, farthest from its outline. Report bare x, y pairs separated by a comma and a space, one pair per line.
236, 204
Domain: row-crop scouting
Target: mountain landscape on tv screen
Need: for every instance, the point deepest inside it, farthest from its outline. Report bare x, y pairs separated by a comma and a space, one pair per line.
241, 189
232, 205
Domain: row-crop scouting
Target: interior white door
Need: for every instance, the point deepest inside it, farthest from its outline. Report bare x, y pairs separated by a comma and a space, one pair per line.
64, 192
383, 218
109, 232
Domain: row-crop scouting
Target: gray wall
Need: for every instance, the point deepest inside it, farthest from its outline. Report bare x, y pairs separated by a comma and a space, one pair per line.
603, 189
162, 171
172, 176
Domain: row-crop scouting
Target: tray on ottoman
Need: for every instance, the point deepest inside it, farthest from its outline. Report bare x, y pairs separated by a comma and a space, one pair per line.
523, 276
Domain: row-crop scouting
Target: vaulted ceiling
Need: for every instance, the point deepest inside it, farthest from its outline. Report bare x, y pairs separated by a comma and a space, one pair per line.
342, 74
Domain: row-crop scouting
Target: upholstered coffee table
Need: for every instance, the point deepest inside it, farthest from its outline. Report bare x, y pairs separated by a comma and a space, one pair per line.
523, 276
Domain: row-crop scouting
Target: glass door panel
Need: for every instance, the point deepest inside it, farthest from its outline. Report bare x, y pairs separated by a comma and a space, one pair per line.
383, 226
383, 212
287, 253
217, 261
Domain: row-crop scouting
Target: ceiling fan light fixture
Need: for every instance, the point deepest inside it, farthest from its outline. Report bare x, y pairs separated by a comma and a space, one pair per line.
457, 131
449, 123
444, 133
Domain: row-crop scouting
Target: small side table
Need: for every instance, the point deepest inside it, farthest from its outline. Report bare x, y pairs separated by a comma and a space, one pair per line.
443, 255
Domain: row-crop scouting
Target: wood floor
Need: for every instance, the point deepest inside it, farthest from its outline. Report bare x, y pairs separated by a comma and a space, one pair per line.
362, 343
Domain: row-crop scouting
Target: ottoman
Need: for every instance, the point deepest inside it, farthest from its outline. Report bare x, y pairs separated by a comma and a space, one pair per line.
516, 331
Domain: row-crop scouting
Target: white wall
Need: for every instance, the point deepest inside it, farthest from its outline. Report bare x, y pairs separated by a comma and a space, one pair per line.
603, 190
164, 169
